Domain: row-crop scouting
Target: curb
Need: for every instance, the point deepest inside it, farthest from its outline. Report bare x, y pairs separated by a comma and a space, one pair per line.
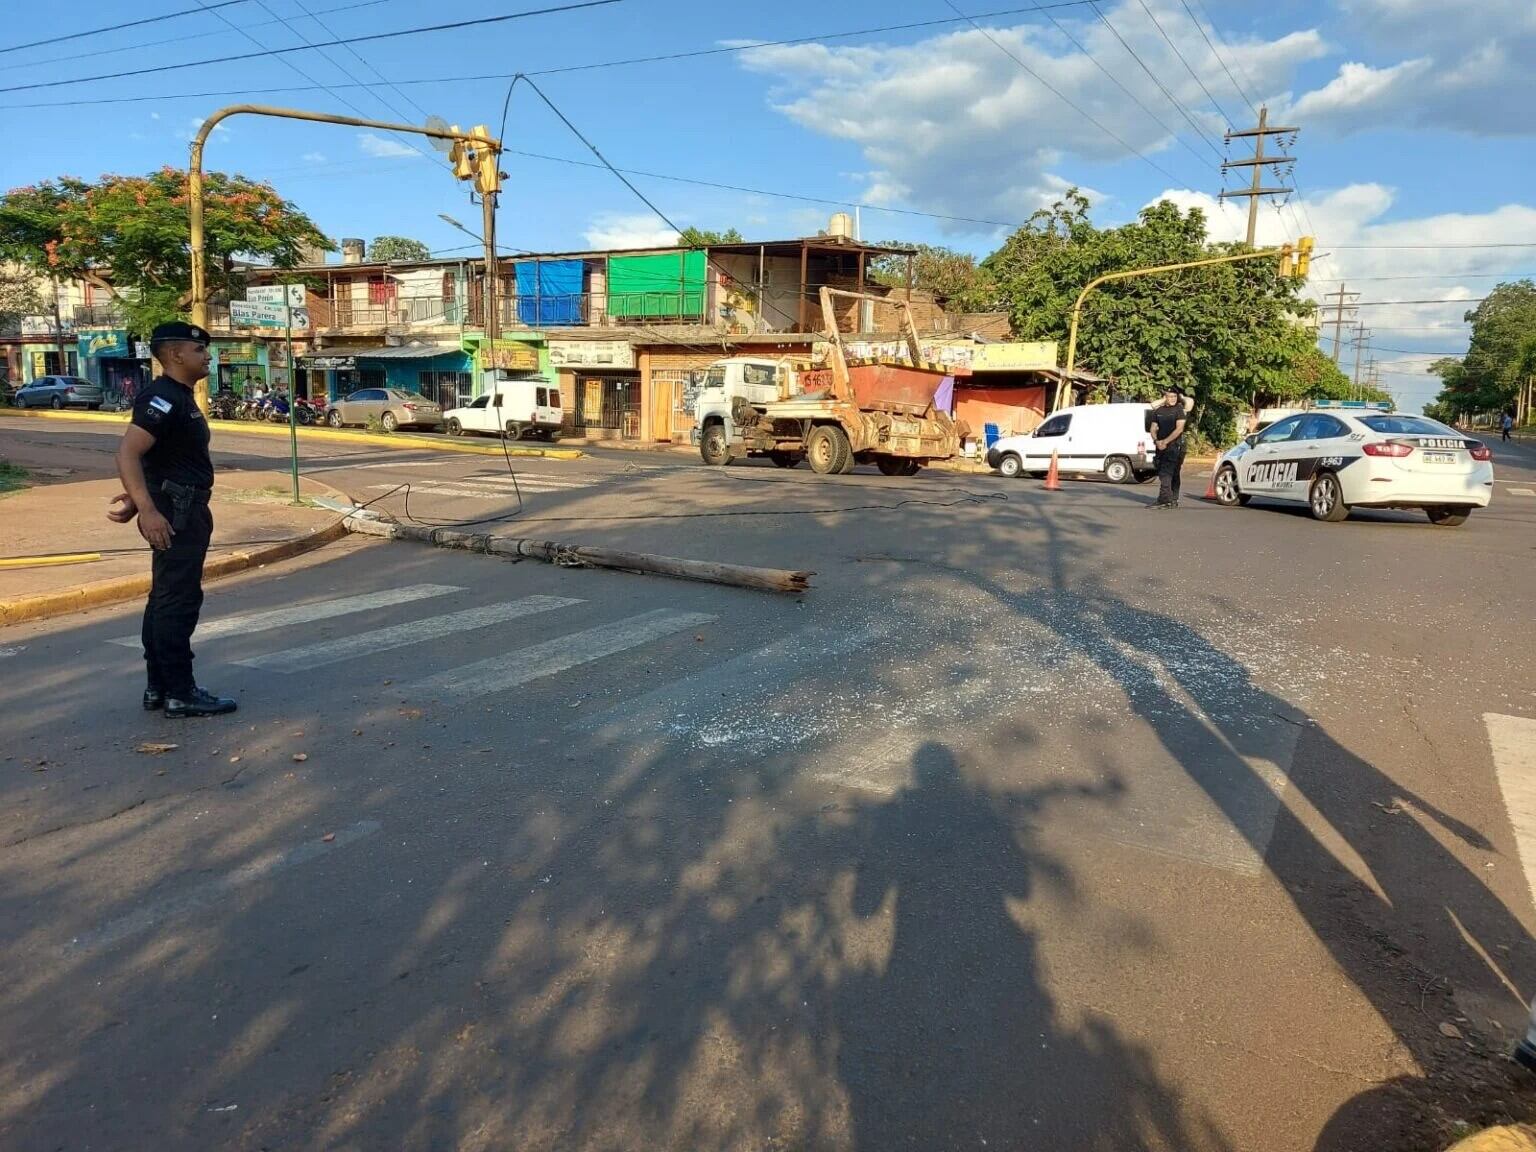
329, 434
24, 609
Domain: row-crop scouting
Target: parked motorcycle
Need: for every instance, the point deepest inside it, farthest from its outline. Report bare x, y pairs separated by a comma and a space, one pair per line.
307, 413
276, 409
223, 405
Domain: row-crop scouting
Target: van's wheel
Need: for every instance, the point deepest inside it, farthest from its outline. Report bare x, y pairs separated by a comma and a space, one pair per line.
1325, 499
713, 446
828, 450
1117, 470
1010, 466
1447, 517
783, 459
514, 430
454, 427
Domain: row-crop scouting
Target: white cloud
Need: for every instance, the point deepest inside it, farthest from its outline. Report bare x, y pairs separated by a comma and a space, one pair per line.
1360, 90
615, 230
956, 126
384, 147
313, 157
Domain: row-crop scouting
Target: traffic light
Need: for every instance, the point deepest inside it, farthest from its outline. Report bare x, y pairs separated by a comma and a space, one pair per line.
487, 161
1304, 256
463, 156
1286, 270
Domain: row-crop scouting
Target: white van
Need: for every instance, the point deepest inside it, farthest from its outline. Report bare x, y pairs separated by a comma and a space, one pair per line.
1089, 439
518, 408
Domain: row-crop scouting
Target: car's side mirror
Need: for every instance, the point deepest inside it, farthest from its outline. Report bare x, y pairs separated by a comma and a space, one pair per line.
1251, 439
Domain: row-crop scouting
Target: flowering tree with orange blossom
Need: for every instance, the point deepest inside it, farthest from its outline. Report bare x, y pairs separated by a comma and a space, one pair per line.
128, 234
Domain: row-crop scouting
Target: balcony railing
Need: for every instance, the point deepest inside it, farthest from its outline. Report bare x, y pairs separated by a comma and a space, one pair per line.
406, 311
98, 315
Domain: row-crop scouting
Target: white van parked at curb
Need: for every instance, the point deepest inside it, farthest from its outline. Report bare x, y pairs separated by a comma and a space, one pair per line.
1109, 440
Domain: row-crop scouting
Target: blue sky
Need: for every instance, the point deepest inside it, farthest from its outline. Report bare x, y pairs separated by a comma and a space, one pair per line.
1408, 138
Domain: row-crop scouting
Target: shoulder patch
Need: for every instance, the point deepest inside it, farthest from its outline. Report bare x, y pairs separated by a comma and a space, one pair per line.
161, 403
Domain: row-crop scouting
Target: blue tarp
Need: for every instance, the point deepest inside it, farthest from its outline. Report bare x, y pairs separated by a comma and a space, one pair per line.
549, 292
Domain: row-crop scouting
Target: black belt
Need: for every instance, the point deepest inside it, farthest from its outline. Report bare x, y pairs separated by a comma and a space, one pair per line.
185, 493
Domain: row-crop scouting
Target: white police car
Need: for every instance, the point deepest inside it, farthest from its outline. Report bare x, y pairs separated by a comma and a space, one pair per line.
1336, 457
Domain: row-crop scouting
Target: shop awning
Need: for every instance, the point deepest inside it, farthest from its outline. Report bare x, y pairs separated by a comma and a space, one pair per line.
346, 358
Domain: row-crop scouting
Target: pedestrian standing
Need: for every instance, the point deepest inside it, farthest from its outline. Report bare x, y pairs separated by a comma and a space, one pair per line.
1166, 423
167, 477
1506, 423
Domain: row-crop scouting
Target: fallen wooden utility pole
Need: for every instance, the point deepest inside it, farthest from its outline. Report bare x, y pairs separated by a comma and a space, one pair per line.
582, 556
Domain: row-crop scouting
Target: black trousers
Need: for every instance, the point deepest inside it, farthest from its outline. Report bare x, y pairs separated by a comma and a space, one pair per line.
175, 599
1169, 463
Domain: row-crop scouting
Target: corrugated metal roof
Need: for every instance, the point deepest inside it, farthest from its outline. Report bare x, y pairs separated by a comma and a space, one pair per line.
390, 352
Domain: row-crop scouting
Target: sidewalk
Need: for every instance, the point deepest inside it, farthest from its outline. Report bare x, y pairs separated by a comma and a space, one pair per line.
254, 523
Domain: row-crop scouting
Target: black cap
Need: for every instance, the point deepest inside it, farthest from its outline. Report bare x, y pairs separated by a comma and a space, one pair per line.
1177, 390
179, 330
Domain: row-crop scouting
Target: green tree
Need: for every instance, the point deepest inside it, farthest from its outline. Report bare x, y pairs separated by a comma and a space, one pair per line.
128, 234
1234, 331
706, 238
954, 277
1498, 357
388, 249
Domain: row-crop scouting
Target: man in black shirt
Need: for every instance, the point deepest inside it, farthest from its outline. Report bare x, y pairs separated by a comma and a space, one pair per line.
1166, 423
167, 478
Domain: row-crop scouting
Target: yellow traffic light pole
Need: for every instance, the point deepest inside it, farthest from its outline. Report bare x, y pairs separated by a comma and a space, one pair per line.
480, 140
1302, 253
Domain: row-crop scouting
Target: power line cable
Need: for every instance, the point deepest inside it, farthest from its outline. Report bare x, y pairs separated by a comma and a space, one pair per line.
571, 7
1199, 27
1188, 67
118, 27
1064, 99
160, 42
358, 56
1199, 131
668, 57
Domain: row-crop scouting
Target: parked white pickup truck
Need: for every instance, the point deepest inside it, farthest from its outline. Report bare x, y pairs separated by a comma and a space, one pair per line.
518, 409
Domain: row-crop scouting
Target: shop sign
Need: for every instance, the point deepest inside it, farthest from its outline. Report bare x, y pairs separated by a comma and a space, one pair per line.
242, 353
510, 355
591, 354
107, 343
39, 365
45, 326
141, 350
332, 363
1014, 356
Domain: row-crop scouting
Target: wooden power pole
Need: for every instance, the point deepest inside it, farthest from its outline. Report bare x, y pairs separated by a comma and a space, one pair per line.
1258, 162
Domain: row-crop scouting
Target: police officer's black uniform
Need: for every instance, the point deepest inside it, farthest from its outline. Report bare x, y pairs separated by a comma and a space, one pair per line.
1161, 421
179, 473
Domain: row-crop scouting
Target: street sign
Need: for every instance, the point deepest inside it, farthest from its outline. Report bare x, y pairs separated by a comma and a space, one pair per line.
246, 315
293, 294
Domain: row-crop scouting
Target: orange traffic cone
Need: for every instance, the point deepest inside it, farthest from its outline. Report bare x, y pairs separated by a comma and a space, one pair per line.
1210, 486
1053, 475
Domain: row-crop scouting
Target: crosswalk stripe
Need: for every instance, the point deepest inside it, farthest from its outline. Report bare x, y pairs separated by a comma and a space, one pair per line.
471, 493
304, 613
1513, 742
1522, 492
687, 703
525, 479
499, 673
400, 635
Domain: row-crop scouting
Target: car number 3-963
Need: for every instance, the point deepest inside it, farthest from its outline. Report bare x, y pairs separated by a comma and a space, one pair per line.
1331, 462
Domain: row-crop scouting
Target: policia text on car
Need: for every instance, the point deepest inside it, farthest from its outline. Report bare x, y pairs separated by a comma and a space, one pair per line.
167, 478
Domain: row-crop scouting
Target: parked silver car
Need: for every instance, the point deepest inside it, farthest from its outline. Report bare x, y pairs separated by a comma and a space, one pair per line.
391, 407
59, 392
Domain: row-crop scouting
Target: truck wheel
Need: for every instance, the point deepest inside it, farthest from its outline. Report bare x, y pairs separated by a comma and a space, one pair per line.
913, 468
828, 450
454, 427
713, 446
784, 459
892, 466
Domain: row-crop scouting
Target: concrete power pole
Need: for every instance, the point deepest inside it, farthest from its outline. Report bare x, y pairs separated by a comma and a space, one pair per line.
1257, 162
1343, 304
1361, 333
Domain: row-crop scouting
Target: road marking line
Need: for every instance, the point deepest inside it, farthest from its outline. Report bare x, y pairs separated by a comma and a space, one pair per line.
688, 704
1522, 492
342, 460
304, 613
467, 493
180, 903
1513, 741
4, 652
400, 635
525, 479
564, 652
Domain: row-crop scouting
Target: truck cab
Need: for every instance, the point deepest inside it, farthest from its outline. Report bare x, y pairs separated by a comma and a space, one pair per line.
722, 387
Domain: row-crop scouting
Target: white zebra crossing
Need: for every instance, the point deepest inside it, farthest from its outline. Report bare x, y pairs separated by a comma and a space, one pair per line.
404, 634
524, 665
499, 487
305, 613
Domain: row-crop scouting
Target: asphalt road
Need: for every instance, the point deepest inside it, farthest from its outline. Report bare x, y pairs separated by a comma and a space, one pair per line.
1042, 822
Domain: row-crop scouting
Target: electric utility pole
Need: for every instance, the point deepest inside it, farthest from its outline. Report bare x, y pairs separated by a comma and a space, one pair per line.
1258, 162
1344, 304
1361, 333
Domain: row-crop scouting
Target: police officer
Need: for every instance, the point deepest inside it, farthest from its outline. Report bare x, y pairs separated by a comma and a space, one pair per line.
167, 478
1166, 423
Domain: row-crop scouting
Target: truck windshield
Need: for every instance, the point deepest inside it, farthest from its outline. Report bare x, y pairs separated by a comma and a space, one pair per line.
715, 378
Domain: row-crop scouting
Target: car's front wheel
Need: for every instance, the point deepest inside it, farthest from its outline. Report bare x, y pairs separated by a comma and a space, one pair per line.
57, 403
1448, 517
1010, 466
1326, 500
454, 427
333, 418
1117, 470
1228, 494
